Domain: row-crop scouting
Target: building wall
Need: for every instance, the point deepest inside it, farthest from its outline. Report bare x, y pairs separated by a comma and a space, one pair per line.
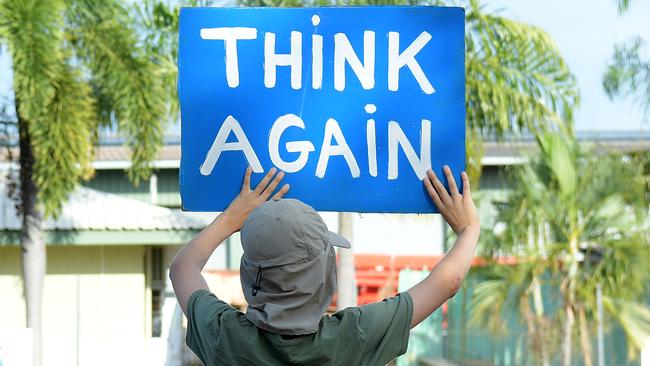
116, 182
94, 305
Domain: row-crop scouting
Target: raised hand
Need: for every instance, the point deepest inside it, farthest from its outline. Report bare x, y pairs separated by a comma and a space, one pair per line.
457, 209
448, 274
248, 198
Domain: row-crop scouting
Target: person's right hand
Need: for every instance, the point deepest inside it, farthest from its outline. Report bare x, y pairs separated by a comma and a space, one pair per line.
457, 209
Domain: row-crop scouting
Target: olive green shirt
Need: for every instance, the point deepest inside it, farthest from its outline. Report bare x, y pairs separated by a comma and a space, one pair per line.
372, 334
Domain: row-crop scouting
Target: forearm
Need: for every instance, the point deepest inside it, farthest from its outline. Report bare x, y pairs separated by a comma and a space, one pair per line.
446, 277
185, 269
451, 270
197, 252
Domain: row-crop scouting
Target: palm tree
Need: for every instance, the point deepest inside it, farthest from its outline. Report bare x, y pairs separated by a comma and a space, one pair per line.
76, 66
579, 218
628, 74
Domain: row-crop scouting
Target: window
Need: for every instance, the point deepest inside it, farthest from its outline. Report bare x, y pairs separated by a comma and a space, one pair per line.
157, 290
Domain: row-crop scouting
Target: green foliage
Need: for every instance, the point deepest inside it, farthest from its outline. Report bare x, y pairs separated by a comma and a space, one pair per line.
633, 317
568, 193
622, 6
628, 74
51, 98
125, 76
62, 140
516, 77
156, 21
474, 152
77, 64
32, 31
561, 156
491, 296
503, 290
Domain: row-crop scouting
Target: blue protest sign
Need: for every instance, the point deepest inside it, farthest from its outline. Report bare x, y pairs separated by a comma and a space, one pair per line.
354, 104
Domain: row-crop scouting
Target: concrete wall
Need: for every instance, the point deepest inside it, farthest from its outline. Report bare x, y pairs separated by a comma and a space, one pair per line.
94, 305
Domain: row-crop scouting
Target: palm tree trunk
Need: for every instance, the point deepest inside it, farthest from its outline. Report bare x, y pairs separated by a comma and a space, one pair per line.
585, 339
567, 341
538, 306
347, 283
538, 302
33, 256
533, 337
569, 301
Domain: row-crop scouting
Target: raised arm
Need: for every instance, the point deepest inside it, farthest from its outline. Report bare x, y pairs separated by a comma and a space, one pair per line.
445, 278
185, 269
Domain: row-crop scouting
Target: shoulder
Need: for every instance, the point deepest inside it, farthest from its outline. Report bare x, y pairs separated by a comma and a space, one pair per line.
402, 302
204, 311
385, 326
388, 313
202, 301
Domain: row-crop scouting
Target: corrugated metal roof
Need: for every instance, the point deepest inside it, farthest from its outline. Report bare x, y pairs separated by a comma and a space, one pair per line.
119, 152
522, 148
89, 209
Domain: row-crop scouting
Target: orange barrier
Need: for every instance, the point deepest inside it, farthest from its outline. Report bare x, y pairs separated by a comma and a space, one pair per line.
377, 276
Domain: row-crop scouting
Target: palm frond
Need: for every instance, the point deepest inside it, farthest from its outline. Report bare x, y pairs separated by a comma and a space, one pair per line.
488, 300
516, 77
628, 73
62, 140
503, 290
560, 155
32, 30
157, 23
634, 318
129, 80
622, 6
618, 270
51, 98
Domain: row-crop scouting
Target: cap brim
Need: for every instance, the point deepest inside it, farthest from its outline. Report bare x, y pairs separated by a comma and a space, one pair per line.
339, 241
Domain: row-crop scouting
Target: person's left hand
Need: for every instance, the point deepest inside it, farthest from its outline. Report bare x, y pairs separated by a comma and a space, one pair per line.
248, 198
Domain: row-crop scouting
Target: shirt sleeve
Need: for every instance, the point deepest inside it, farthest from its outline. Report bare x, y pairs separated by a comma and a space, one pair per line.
204, 310
385, 327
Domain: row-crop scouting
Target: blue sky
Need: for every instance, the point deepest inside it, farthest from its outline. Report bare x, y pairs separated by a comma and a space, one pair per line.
585, 33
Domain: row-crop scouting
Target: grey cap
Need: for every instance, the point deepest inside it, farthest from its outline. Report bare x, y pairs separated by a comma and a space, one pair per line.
288, 269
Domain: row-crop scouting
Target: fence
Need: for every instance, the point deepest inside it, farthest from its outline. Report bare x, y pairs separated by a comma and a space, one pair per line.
448, 339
